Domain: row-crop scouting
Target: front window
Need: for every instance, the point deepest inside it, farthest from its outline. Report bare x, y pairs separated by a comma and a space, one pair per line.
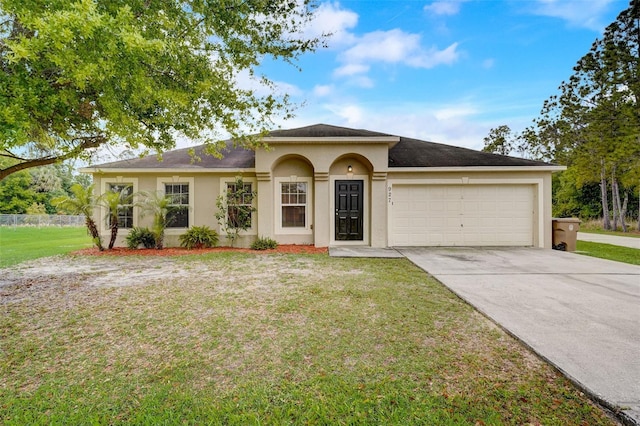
239, 204
294, 204
125, 209
178, 212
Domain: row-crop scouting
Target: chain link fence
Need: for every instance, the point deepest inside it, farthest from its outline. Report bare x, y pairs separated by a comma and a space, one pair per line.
40, 220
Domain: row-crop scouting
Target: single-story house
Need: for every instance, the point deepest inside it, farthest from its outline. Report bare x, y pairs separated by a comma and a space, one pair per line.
330, 186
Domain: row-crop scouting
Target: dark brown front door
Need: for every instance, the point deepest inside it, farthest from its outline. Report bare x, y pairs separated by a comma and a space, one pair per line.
349, 210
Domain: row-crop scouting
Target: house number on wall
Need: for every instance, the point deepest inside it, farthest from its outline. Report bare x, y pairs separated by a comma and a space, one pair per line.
389, 194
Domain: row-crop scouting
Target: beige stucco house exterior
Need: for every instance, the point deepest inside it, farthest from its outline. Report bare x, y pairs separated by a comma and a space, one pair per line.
330, 186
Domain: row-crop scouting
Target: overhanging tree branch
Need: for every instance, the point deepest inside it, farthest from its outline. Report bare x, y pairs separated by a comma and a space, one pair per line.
85, 143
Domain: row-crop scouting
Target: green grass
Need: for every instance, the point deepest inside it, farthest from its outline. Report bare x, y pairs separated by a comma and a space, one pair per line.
26, 243
249, 339
632, 233
608, 251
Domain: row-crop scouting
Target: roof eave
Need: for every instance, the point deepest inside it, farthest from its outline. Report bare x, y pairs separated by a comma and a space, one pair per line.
106, 170
550, 168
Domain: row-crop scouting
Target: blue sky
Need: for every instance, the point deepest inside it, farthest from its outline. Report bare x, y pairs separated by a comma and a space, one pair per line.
444, 71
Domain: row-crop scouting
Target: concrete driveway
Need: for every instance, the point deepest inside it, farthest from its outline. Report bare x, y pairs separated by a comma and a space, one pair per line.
580, 313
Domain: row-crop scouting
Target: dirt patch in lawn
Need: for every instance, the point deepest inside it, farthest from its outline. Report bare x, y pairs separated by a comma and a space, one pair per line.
59, 276
179, 251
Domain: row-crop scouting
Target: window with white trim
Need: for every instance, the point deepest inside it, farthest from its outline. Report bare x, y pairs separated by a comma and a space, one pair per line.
178, 212
293, 200
125, 210
239, 207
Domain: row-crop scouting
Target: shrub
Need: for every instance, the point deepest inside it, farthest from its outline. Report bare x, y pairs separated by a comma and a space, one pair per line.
140, 236
199, 237
264, 243
235, 209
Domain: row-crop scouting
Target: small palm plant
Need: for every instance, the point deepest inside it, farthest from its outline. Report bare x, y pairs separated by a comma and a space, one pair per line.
113, 201
156, 203
82, 202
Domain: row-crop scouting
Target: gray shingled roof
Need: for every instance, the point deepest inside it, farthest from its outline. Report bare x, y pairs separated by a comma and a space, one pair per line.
233, 158
416, 153
406, 153
324, 131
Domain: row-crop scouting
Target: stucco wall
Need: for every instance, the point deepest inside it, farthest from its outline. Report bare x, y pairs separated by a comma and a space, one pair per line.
206, 188
321, 165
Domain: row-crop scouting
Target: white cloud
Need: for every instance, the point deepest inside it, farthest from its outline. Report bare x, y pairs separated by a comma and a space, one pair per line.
386, 46
330, 18
351, 69
453, 124
578, 13
361, 81
434, 57
245, 81
322, 90
393, 46
451, 7
455, 112
350, 115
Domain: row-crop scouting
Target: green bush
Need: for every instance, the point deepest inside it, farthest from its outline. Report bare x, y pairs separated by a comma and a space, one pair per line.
199, 237
140, 237
264, 243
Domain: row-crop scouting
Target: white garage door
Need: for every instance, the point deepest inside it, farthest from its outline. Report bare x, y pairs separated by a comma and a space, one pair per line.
462, 215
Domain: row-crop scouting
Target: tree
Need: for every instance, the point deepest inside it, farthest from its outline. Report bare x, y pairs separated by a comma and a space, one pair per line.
157, 204
499, 141
80, 74
82, 202
235, 209
115, 201
593, 125
38, 185
16, 194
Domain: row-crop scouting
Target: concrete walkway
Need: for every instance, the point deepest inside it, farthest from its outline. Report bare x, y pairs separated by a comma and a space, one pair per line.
610, 239
579, 313
362, 251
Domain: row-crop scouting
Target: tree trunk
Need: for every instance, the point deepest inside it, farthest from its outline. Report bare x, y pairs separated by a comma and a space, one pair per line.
114, 231
623, 210
606, 224
614, 202
93, 231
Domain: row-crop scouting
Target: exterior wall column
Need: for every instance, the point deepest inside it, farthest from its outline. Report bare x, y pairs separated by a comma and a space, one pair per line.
265, 205
378, 209
321, 215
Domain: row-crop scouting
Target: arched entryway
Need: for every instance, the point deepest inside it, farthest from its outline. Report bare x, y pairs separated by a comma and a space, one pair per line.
350, 200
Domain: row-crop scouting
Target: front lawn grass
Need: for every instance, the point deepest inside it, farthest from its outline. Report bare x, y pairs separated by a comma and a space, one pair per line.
18, 244
244, 339
608, 251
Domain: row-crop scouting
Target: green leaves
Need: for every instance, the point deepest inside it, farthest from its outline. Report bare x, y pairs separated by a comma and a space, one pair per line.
595, 120
79, 74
